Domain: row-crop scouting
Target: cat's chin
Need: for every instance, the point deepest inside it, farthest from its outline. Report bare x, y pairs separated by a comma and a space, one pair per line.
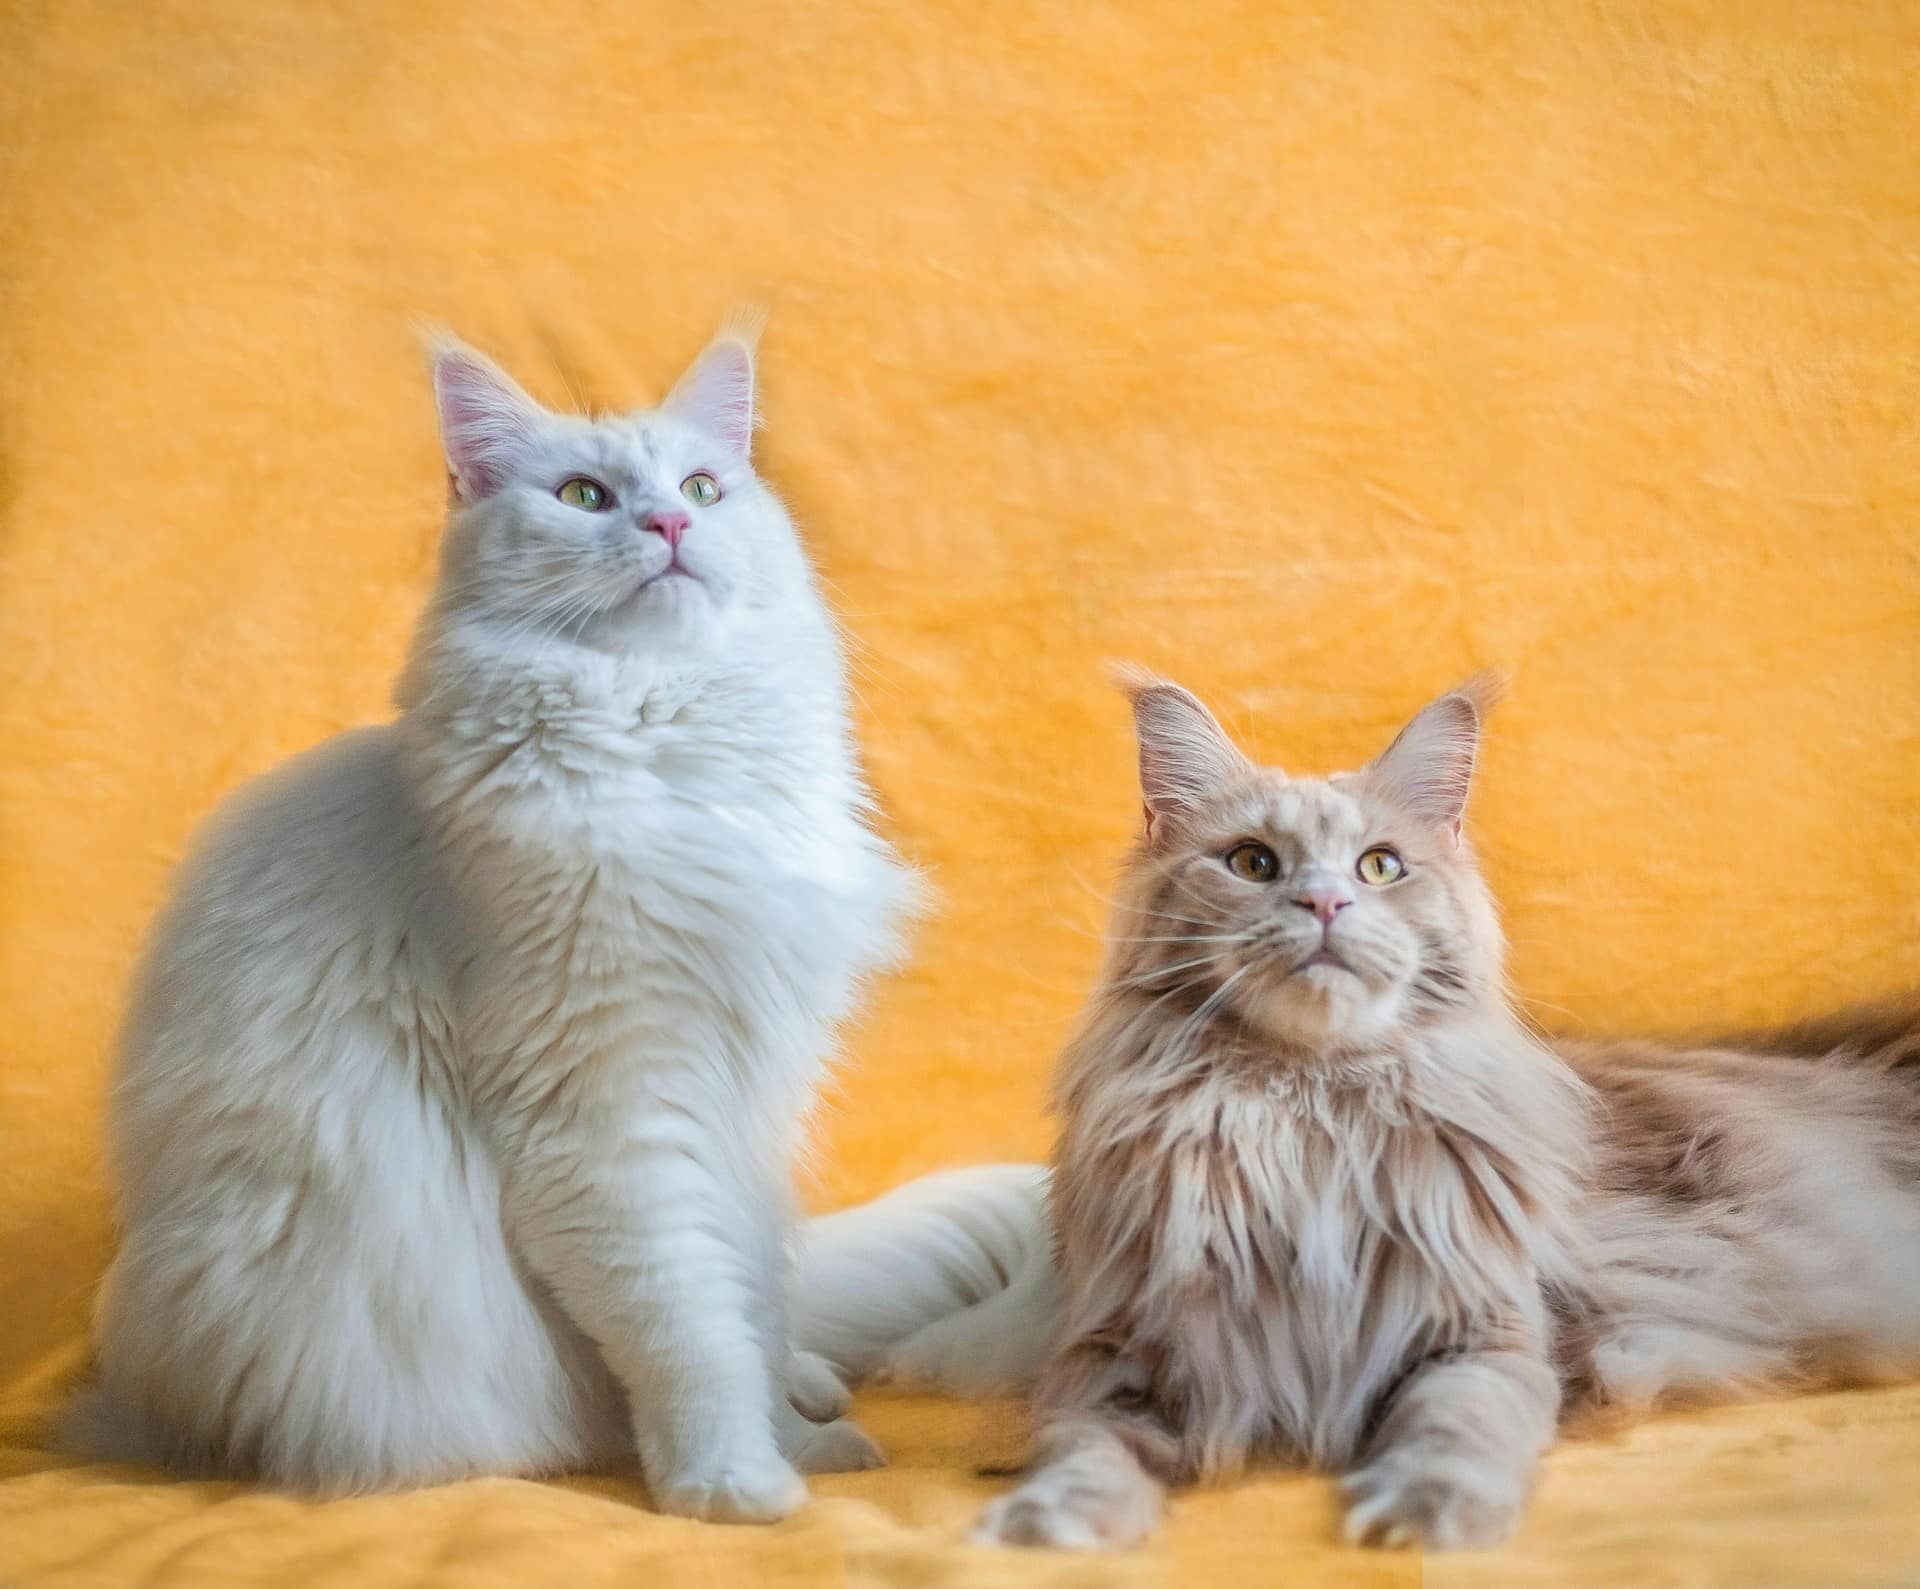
1323, 1005
673, 608
668, 588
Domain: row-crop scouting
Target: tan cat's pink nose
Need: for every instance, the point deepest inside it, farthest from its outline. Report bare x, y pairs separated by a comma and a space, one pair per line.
671, 525
1323, 900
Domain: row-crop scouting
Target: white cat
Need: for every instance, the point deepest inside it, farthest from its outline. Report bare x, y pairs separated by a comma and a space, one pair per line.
463, 1074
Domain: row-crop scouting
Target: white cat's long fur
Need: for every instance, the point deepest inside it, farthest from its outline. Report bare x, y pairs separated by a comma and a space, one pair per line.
464, 1071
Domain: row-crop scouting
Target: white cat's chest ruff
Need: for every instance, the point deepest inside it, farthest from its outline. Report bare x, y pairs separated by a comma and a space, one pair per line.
650, 793
645, 877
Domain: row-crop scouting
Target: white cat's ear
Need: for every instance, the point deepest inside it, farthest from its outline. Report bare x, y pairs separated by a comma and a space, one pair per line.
486, 420
1428, 769
716, 393
1185, 755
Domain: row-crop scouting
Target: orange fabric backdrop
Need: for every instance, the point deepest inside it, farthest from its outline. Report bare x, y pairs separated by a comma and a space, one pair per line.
1316, 353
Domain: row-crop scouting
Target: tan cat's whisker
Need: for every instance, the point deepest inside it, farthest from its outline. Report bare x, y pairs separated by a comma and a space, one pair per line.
1348, 1207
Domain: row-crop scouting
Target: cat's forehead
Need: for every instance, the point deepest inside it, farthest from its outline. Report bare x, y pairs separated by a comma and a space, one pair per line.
1316, 813
641, 444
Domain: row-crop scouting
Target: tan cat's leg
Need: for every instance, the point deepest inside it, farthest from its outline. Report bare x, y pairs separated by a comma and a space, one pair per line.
1087, 1491
1455, 1457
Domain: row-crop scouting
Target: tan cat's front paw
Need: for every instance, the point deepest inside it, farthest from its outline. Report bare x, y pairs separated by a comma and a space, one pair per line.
1023, 1519
1403, 1500
1062, 1511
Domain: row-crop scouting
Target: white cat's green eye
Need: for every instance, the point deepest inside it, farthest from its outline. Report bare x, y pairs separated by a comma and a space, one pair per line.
588, 495
1255, 862
1380, 865
701, 489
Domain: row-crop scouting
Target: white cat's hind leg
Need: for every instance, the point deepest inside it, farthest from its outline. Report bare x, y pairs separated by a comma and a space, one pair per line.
814, 1388
838, 1446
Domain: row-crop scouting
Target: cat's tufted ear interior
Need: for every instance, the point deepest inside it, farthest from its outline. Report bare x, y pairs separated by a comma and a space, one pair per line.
716, 393
486, 420
1185, 755
1428, 769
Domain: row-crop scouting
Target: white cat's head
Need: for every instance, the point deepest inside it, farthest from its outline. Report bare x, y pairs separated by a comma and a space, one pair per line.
628, 533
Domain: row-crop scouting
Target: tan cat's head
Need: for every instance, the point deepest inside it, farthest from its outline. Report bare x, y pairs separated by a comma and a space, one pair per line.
1323, 912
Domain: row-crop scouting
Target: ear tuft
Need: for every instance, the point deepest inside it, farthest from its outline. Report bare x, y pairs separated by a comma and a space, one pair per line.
1484, 691
486, 420
1428, 769
717, 391
1185, 755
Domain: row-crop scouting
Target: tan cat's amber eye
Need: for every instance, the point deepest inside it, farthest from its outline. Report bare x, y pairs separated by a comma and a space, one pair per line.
588, 495
1381, 865
1255, 862
701, 489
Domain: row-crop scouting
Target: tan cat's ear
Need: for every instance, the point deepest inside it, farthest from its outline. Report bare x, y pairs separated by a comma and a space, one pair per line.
1185, 755
1428, 769
486, 420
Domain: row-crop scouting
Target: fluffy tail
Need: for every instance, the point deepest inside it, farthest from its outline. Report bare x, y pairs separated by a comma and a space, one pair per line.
1885, 1032
947, 1282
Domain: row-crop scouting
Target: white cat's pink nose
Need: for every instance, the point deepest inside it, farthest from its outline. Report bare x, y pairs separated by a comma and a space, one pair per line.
1324, 900
670, 525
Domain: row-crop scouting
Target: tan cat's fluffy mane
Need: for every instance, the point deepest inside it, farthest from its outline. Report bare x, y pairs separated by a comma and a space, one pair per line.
1321, 1195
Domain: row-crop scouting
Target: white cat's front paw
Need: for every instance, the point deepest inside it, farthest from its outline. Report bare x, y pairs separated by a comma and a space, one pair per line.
1401, 1499
814, 1388
753, 1490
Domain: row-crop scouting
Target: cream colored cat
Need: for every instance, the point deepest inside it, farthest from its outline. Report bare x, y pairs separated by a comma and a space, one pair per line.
1322, 1197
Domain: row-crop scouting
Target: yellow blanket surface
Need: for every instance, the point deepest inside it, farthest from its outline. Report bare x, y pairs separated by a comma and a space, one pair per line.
1314, 352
